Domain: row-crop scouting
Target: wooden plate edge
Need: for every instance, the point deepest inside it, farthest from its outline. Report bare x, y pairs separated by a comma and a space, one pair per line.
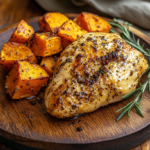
72, 15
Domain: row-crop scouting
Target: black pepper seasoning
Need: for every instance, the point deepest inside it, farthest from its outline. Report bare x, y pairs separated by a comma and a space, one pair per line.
79, 129
33, 102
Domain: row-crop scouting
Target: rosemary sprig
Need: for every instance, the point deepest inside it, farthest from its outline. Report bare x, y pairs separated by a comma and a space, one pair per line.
138, 93
125, 34
135, 103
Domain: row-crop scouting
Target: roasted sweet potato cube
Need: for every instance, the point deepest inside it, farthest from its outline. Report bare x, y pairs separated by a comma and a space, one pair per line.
22, 33
92, 23
65, 42
42, 24
45, 44
33, 59
25, 80
11, 52
53, 21
69, 32
48, 64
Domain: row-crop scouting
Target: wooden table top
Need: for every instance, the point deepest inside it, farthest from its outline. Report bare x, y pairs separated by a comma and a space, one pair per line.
12, 11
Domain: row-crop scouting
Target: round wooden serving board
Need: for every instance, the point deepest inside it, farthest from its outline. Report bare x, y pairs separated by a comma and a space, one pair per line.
30, 124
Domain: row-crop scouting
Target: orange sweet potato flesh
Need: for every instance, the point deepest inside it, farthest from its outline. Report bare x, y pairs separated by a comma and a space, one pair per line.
53, 21
12, 52
69, 32
92, 23
48, 64
22, 33
42, 24
25, 80
45, 44
33, 59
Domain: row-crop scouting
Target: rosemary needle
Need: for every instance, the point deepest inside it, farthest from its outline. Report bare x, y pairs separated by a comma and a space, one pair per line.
138, 93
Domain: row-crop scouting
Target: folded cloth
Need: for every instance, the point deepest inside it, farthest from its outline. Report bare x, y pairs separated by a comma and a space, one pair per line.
133, 11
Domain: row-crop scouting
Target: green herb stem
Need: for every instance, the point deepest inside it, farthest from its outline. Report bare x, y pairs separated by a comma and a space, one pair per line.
138, 93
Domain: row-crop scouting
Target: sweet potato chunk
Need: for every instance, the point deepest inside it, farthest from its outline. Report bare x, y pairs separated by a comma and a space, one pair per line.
53, 21
42, 24
25, 80
92, 23
22, 33
33, 59
45, 44
48, 64
69, 32
11, 52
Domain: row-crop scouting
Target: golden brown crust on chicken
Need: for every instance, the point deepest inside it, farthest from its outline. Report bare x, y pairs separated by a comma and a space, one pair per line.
95, 70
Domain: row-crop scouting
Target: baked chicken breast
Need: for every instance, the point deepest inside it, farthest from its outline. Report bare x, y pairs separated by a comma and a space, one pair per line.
94, 71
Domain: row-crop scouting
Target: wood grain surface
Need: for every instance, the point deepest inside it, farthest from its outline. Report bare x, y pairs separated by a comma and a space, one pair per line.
12, 11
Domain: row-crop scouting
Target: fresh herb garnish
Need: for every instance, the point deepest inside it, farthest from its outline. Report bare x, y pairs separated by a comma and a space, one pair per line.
138, 93
102, 71
135, 103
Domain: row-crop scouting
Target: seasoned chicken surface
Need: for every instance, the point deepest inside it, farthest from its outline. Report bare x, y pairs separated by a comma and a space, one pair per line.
94, 71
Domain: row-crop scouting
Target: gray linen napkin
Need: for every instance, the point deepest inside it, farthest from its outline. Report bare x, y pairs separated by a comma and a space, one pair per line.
134, 11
